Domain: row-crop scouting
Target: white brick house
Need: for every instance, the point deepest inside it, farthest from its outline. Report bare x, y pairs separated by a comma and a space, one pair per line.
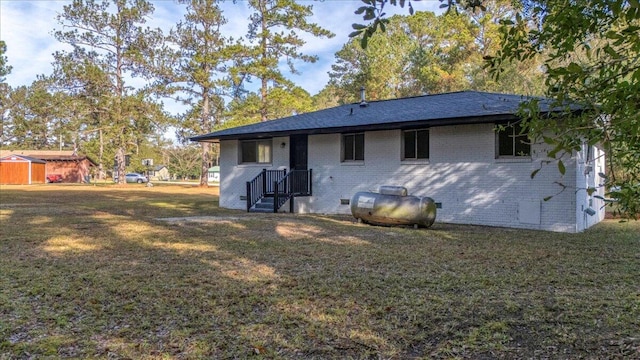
443, 146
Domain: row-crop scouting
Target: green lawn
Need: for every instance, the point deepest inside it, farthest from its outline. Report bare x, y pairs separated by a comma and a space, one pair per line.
90, 271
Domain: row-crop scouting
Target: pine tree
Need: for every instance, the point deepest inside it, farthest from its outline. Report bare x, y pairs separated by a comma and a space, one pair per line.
273, 36
198, 76
111, 36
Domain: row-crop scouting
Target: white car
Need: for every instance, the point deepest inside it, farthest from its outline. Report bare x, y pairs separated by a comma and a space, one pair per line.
134, 178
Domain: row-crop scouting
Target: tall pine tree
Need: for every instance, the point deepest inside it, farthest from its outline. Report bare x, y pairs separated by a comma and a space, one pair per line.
274, 36
110, 35
198, 74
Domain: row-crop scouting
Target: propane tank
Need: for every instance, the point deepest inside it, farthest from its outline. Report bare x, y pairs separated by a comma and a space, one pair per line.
391, 206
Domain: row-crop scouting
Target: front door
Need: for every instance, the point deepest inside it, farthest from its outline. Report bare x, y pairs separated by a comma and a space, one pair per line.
298, 161
298, 152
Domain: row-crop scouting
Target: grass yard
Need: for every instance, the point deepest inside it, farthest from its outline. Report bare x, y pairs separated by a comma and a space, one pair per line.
90, 272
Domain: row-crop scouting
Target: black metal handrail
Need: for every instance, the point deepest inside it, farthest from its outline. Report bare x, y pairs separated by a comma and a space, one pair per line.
262, 185
294, 183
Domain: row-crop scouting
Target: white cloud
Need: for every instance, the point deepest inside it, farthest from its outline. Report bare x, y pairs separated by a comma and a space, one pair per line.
26, 27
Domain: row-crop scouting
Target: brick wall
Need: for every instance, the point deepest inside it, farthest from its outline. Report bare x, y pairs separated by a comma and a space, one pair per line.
234, 176
462, 174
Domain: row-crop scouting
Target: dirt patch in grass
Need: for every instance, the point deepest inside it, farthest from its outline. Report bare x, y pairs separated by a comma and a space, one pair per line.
91, 271
202, 219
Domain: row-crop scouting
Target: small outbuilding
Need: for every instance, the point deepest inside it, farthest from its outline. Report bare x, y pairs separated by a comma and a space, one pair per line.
159, 172
65, 166
21, 170
213, 175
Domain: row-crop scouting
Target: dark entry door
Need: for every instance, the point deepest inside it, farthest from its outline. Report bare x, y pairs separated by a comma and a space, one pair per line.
298, 161
298, 152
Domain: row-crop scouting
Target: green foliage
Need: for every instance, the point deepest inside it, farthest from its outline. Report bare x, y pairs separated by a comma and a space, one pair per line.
199, 72
184, 161
274, 34
326, 98
109, 39
593, 59
243, 111
35, 118
5, 69
373, 12
445, 53
280, 101
381, 68
516, 77
285, 102
425, 53
5, 90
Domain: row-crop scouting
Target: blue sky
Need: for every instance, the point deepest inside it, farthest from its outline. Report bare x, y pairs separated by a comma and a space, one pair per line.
27, 27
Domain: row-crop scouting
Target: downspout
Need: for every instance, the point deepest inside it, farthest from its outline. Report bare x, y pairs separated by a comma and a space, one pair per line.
579, 172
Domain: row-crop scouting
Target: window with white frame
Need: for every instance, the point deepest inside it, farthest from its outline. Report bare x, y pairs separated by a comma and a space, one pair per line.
353, 147
255, 151
511, 141
415, 144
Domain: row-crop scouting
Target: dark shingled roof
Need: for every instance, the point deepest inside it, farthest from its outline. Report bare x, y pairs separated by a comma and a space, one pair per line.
465, 107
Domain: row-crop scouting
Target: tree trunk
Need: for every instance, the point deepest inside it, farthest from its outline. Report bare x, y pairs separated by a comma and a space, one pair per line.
101, 174
206, 160
206, 147
263, 45
121, 165
120, 137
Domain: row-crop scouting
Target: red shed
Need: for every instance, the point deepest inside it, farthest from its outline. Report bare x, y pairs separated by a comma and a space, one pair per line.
21, 169
62, 166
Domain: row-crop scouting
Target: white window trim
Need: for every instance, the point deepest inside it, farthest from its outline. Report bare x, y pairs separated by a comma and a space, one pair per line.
415, 162
513, 159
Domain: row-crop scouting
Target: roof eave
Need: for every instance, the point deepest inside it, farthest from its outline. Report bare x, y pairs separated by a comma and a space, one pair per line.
358, 128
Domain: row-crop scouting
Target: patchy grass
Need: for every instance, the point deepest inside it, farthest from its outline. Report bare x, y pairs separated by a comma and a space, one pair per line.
90, 271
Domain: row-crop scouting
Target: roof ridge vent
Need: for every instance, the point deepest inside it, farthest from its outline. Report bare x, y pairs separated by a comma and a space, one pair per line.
363, 101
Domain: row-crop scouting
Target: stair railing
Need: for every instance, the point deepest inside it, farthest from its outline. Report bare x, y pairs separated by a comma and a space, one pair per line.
262, 185
294, 183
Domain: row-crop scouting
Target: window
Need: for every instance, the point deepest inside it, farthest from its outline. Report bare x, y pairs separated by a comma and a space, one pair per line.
415, 145
255, 151
353, 147
511, 142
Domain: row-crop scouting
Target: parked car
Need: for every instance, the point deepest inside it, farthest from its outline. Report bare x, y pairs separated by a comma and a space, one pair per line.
134, 178
54, 178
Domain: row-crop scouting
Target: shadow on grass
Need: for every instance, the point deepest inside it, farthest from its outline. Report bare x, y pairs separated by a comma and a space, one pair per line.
95, 274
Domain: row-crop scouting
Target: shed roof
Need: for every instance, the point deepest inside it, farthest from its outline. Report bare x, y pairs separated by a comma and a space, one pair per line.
13, 157
52, 155
464, 107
